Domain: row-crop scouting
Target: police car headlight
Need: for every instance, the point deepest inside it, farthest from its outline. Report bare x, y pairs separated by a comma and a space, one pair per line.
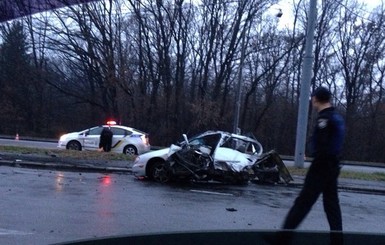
63, 137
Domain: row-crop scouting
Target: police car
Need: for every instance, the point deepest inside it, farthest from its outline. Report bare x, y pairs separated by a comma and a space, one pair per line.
125, 140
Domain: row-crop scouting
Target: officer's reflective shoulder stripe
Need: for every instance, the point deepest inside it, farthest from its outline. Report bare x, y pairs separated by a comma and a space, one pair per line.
322, 123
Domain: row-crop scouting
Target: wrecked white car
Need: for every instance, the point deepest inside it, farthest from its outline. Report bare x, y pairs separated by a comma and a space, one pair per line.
213, 156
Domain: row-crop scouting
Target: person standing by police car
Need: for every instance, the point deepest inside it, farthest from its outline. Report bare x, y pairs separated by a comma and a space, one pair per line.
322, 175
105, 142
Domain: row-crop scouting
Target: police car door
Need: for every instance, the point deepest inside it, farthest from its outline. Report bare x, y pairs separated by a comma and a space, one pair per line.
92, 138
117, 137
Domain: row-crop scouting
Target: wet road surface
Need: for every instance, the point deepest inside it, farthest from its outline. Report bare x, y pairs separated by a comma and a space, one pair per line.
46, 207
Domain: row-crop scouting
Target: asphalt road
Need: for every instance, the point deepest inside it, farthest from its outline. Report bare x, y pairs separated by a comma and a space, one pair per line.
46, 207
29, 143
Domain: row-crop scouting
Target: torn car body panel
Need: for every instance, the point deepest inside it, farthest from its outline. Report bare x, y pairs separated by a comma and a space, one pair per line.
270, 168
214, 156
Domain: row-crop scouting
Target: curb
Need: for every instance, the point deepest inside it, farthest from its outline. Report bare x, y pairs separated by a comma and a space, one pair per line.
68, 167
348, 185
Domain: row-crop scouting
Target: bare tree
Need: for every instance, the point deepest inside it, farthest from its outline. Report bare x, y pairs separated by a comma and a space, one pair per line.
86, 38
357, 51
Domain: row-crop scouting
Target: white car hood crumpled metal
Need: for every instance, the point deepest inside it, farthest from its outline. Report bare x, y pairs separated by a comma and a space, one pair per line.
235, 159
172, 149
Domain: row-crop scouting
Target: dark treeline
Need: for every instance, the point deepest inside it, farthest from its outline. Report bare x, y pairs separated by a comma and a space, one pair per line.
172, 67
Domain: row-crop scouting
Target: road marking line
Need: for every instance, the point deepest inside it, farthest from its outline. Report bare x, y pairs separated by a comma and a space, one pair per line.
13, 232
212, 192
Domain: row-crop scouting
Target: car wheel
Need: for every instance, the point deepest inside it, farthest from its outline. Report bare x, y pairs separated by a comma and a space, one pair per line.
158, 172
74, 145
130, 150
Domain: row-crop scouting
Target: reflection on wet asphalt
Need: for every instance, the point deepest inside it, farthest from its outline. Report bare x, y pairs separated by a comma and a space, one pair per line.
45, 207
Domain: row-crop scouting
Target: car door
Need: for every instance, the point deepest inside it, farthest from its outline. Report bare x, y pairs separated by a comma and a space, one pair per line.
92, 138
118, 135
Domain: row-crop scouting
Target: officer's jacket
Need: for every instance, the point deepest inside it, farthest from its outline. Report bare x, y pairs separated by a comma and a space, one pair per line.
328, 135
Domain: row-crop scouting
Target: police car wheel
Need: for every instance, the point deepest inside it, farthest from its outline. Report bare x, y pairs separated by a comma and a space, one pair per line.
130, 150
74, 145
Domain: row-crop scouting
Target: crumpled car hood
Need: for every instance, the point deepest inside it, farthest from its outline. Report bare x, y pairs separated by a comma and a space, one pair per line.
237, 160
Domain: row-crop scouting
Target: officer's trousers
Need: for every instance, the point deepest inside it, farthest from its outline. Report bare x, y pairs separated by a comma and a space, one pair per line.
321, 178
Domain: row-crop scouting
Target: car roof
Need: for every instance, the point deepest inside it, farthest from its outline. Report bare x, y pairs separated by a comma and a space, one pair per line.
122, 127
238, 136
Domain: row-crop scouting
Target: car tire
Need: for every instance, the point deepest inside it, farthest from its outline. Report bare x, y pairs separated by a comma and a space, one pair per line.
158, 172
130, 150
74, 145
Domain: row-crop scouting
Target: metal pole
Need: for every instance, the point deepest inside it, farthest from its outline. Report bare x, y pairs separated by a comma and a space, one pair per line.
303, 109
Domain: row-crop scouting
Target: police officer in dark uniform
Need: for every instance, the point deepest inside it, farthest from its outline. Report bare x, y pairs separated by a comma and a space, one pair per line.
105, 141
323, 173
